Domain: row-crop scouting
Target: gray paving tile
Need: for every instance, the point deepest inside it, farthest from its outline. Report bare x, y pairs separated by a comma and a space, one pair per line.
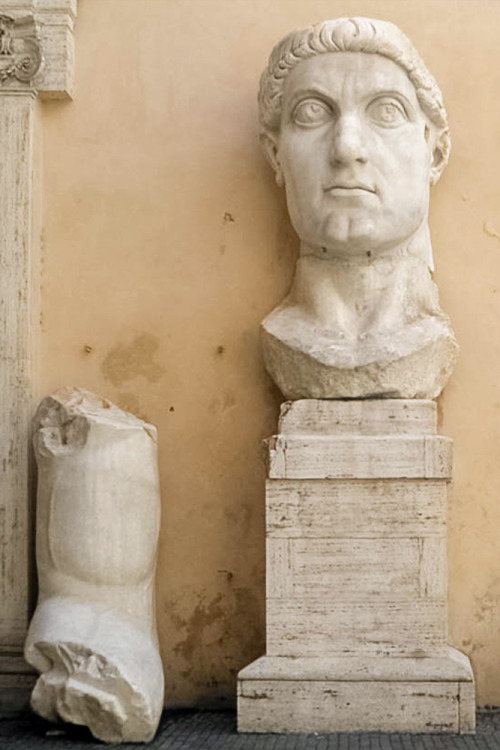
216, 730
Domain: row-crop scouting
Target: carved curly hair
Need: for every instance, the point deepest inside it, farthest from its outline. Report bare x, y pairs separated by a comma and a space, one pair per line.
354, 35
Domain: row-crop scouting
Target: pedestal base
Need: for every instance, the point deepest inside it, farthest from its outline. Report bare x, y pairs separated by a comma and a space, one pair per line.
348, 694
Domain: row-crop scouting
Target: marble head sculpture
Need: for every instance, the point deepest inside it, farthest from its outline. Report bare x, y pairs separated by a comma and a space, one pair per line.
355, 128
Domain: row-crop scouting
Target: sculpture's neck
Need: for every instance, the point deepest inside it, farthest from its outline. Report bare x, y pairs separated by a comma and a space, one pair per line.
367, 293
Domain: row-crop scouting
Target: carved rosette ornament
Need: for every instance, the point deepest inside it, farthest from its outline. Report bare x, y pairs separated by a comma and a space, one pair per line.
20, 51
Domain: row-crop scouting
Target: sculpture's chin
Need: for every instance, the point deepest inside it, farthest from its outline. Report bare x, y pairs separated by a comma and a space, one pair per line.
358, 234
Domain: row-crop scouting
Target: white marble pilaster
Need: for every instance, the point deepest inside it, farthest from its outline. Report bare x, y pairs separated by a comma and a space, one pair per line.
16, 184
36, 57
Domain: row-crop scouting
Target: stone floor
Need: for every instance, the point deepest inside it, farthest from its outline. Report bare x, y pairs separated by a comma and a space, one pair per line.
212, 730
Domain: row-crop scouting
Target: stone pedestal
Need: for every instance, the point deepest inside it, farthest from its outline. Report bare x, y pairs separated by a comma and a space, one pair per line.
356, 576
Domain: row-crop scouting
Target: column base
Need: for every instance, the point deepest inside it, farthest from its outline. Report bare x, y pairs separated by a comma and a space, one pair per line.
17, 680
428, 693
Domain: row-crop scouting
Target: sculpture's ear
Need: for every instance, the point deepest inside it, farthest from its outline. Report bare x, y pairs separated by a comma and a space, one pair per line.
269, 143
438, 164
438, 149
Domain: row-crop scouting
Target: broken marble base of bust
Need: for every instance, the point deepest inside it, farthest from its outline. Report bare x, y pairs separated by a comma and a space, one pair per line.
93, 635
412, 363
349, 330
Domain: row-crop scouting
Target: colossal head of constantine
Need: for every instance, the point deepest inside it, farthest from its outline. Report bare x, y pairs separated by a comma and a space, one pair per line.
354, 125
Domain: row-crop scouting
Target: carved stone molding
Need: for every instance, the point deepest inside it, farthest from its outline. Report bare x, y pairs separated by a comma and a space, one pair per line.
54, 22
20, 51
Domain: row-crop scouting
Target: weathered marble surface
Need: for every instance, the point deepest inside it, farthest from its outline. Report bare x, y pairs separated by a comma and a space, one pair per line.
93, 635
355, 128
356, 607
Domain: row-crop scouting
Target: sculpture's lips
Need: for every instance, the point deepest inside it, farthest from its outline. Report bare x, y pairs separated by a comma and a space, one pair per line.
349, 189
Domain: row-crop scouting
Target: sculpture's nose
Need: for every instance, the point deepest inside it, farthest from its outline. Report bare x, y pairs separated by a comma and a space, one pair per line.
348, 142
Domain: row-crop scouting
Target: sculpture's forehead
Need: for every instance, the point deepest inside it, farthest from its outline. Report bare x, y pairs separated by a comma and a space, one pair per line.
354, 74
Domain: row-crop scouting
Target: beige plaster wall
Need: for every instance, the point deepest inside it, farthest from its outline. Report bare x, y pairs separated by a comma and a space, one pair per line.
165, 243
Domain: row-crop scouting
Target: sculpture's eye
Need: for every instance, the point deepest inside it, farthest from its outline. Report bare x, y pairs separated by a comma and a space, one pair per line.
311, 112
387, 111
